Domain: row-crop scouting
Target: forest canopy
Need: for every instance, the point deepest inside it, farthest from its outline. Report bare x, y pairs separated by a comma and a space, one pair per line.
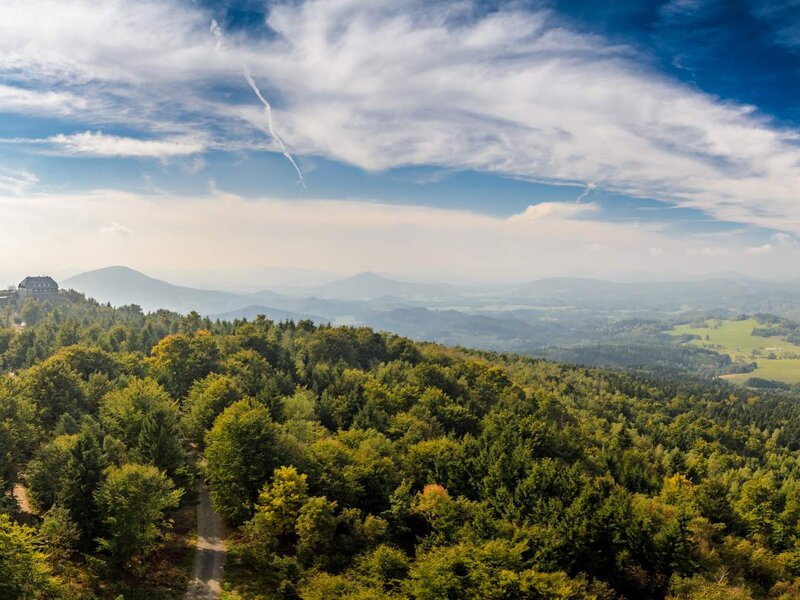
349, 463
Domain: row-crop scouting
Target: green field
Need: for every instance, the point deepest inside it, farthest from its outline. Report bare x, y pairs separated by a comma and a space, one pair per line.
784, 370
734, 339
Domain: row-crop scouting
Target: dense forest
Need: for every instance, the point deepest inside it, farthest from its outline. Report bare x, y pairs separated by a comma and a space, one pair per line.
662, 357
354, 464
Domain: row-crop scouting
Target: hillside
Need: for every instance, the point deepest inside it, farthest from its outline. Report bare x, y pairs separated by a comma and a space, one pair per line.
777, 359
371, 286
122, 285
586, 321
352, 464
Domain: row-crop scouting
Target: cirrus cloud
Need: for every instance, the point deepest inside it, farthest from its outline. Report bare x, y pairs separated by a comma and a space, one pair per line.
16, 181
99, 144
391, 83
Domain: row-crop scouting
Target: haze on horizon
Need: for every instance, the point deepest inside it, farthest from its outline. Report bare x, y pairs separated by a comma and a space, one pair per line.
452, 141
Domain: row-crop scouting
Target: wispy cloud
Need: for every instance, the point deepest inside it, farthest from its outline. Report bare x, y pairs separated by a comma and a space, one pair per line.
16, 181
22, 100
405, 82
216, 31
222, 229
779, 242
518, 93
114, 229
784, 19
100, 144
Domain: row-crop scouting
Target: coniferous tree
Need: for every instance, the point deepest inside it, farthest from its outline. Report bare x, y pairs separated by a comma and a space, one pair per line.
84, 473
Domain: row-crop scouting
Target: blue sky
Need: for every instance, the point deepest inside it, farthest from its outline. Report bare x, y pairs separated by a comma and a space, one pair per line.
472, 140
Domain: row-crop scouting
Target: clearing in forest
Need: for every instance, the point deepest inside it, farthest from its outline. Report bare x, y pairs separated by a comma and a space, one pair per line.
777, 359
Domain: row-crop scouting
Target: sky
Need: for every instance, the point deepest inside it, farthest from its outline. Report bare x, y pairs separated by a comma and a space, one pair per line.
247, 143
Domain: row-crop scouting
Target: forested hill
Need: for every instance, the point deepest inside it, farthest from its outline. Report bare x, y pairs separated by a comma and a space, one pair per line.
359, 465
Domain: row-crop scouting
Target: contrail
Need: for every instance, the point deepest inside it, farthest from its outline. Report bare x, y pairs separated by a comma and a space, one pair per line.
271, 127
216, 31
589, 189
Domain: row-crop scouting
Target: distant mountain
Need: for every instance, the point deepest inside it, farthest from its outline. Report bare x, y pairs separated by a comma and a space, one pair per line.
745, 295
523, 318
371, 286
122, 285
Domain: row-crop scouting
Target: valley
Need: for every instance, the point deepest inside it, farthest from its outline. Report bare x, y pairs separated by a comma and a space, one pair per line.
585, 321
777, 359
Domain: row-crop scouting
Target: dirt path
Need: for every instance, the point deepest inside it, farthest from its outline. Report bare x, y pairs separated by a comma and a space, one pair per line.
209, 557
21, 496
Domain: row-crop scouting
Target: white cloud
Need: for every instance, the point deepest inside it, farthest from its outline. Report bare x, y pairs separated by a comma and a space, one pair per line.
345, 236
21, 100
779, 242
100, 144
115, 229
401, 82
763, 249
706, 251
517, 94
16, 181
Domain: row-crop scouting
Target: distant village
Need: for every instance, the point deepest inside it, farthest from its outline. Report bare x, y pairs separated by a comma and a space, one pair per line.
41, 288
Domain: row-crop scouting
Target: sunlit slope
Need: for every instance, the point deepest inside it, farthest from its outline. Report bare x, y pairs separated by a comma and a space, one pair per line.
777, 359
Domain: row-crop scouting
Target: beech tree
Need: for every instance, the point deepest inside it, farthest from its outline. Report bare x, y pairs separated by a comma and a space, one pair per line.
24, 572
207, 398
131, 502
180, 359
147, 421
243, 448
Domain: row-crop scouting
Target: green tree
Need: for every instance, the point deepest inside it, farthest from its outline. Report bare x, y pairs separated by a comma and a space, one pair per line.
492, 571
59, 533
24, 574
324, 586
441, 461
206, 400
46, 475
88, 360
279, 503
146, 419
272, 528
315, 528
68, 333
249, 369
55, 389
179, 360
31, 311
18, 433
385, 567
758, 505
243, 448
83, 473
132, 501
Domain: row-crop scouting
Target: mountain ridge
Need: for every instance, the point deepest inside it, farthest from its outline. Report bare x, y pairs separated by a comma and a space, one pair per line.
120, 285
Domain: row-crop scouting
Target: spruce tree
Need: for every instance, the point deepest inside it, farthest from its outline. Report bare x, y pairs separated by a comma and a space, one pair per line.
84, 473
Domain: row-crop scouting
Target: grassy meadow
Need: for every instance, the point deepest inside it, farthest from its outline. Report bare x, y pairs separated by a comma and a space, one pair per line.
777, 359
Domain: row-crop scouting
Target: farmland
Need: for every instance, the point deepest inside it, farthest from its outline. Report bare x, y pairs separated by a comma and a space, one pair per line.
777, 359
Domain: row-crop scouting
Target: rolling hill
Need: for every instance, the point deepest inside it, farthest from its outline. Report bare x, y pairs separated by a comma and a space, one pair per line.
122, 285
371, 286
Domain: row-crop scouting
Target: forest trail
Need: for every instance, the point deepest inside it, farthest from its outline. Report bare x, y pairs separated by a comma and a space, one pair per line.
21, 496
209, 557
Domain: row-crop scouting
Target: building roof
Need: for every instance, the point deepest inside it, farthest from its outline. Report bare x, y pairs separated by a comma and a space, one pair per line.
43, 282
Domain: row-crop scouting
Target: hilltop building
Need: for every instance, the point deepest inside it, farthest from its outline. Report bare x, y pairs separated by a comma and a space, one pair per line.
41, 288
